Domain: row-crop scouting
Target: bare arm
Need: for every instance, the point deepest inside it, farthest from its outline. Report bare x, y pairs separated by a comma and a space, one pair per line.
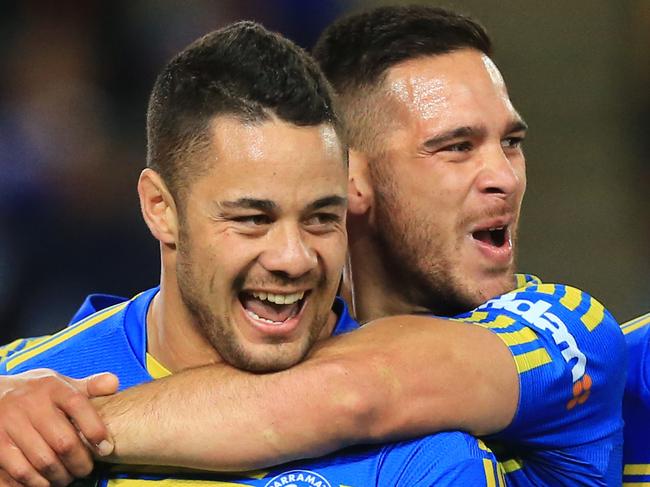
396, 377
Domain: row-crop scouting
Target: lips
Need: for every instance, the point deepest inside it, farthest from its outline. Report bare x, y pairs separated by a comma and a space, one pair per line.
495, 236
494, 240
272, 308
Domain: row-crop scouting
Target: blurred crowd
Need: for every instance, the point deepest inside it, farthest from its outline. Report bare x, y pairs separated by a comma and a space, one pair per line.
74, 80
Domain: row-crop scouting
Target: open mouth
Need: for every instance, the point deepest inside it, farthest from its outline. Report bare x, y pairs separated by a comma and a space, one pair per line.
270, 308
496, 237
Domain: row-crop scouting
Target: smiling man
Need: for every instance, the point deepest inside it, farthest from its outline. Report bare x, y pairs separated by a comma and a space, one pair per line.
251, 262
437, 177
250, 268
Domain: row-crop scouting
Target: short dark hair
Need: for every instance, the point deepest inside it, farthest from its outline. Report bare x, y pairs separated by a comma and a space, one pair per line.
241, 70
356, 51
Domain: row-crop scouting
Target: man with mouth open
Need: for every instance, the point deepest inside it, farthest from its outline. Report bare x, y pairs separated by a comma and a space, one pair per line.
246, 191
437, 176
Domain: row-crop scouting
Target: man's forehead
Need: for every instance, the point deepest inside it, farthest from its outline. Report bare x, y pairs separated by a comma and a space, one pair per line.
256, 134
447, 85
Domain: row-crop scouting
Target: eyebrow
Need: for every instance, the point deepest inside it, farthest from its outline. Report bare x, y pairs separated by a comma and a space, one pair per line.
249, 204
456, 133
517, 125
333, 200
269, 206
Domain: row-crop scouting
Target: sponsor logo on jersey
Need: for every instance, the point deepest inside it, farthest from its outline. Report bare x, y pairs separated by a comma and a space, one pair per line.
298, 478
537, 314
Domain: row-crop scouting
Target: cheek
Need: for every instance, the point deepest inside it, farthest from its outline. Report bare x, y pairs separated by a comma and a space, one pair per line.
333, 253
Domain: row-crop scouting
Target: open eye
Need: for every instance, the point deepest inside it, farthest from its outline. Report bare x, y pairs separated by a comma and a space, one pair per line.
513, 142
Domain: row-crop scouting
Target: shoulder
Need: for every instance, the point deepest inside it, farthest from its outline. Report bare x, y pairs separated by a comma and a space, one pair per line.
70, 345
571, 358
565, 319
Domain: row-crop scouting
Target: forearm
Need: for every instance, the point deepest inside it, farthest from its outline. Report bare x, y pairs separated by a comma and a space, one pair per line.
220, 418
379, 383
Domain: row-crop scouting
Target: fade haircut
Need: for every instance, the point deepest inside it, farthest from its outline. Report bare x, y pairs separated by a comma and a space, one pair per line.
356, 52
241, 70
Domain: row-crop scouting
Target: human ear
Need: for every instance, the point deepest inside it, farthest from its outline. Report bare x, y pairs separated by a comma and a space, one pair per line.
158, 207
360, 194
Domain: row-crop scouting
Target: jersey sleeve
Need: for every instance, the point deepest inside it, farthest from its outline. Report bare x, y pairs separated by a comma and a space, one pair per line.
571, 359
443, 459
636, 403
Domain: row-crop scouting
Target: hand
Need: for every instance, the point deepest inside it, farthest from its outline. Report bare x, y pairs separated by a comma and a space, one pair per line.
48, 427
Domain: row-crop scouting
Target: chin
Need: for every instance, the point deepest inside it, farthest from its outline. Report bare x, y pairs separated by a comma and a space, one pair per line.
267, 361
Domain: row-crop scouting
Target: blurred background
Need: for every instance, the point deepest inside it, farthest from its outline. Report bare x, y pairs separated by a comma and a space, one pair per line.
74, 81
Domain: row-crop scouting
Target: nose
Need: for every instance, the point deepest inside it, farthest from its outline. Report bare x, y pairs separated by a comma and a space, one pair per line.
288, 253
499, 174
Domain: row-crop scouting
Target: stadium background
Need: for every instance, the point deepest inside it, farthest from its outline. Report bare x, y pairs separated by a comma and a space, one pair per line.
74, 80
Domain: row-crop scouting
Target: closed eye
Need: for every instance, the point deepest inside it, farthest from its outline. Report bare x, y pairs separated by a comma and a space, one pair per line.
256, 220
323, 219
457, 147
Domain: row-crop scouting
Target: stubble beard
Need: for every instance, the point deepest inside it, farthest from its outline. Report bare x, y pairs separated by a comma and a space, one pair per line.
415, 254
423, 268
220, 332
415, 258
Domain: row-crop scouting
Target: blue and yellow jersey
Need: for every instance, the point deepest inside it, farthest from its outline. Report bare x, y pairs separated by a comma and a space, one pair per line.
19, 345
570, 355
636, 403
114, 339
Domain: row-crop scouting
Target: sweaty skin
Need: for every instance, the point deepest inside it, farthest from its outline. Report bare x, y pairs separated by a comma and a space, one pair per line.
360, 380
457, 149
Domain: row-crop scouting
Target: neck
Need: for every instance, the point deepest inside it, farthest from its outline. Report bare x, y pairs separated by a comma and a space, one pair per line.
376, 293
173, 338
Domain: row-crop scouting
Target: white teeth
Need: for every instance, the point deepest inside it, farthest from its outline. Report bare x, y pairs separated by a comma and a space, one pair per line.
279, 298
257, 317
495, 228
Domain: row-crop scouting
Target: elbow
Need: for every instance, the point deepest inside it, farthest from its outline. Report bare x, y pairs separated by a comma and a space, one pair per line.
355, 398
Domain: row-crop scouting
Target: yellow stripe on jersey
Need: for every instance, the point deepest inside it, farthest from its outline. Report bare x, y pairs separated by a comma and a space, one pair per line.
520, 280
512, 465
29, 342
482, 445
519, 337
641, 319
635, 324
501, 321
501, 475
571, 298
637, 469
636, 484
594, 315
531, 360
155, 368
546, 289
171, 483
526, 280
476, 316
65, 334
490, 480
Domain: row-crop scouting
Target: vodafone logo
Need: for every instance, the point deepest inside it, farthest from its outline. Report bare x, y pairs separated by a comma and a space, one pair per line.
537, 313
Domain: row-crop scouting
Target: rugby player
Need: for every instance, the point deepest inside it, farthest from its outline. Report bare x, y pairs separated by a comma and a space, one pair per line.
251, 261
436, 182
